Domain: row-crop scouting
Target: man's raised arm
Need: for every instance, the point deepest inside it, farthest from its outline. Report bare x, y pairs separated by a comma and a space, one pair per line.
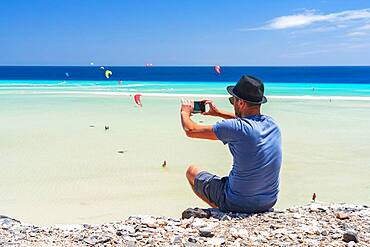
214, 111
191, 128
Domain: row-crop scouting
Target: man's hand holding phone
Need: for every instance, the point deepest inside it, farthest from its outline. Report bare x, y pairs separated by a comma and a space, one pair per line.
213, 110
187, 106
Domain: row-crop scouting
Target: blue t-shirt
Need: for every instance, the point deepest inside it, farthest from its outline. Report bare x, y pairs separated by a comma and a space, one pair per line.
255, 144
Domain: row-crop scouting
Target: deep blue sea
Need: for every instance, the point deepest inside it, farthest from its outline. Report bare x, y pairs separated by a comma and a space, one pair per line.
348, 74
288, 81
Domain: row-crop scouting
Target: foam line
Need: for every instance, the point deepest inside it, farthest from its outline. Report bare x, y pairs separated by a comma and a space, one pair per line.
167, 95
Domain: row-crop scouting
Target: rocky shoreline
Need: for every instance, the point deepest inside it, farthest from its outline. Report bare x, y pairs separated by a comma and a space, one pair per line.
311, 225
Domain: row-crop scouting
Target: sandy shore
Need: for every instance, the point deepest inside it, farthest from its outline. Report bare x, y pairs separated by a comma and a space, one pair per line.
311, 225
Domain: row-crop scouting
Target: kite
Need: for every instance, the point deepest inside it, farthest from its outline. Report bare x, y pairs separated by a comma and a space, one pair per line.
137, 98
108, 74
67, 74
218, 69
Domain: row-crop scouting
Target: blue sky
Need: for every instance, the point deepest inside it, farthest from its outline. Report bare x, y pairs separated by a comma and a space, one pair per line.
170, 32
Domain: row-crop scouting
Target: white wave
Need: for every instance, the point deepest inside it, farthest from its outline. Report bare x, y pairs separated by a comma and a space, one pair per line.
179, 95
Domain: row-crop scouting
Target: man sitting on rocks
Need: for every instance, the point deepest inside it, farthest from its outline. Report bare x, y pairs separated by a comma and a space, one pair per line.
254, 141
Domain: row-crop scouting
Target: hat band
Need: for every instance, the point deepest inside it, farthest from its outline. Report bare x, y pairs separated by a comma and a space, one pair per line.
249, 98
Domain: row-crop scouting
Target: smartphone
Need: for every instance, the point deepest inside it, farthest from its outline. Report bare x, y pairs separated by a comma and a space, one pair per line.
199, 106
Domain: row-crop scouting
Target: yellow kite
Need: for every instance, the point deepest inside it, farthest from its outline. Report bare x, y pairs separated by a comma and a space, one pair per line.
108, 74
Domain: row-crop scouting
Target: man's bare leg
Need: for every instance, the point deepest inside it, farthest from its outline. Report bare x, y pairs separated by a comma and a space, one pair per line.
191, 173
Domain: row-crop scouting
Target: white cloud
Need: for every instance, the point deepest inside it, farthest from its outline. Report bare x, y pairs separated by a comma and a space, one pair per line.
357, 34
299, 20
311, 17
364, 27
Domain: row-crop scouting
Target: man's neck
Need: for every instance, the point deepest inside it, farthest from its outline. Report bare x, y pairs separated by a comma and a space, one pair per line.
251, 112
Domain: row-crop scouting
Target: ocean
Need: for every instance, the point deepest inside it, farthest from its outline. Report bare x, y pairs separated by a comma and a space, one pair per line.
280, 81
59, 164
328, 74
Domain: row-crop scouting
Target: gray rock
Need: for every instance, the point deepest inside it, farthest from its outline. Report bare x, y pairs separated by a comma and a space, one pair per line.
6, 217
192, 240
196, 213
206, 232
225, 217
6, 223
350, 235
97, 240
177, 240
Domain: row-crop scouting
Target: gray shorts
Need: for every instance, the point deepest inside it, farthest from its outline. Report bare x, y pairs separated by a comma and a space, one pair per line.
211, 187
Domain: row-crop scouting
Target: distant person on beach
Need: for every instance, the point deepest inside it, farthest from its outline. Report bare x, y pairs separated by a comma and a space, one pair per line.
254, 141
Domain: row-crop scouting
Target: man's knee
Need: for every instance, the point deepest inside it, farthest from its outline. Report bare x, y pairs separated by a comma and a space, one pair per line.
191, 173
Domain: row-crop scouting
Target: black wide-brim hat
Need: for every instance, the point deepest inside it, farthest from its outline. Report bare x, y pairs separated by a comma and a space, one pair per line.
250, 89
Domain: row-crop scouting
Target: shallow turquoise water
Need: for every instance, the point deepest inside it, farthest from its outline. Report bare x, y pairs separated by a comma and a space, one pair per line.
218, 88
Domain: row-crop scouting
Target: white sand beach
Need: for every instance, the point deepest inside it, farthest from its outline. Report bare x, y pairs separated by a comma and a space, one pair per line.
59, 165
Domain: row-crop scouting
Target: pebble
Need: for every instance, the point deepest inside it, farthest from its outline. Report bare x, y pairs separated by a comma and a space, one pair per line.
196, 213
342, 216
297, 226
131, 243
176, 240
6, 223
149, 221
216, 242
350, 235
97, 240
198, 223
225, 217
128, 229
206, 232
351, 244
192, 240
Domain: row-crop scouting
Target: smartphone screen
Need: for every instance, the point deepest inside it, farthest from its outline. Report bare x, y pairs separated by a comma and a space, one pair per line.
199, 106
